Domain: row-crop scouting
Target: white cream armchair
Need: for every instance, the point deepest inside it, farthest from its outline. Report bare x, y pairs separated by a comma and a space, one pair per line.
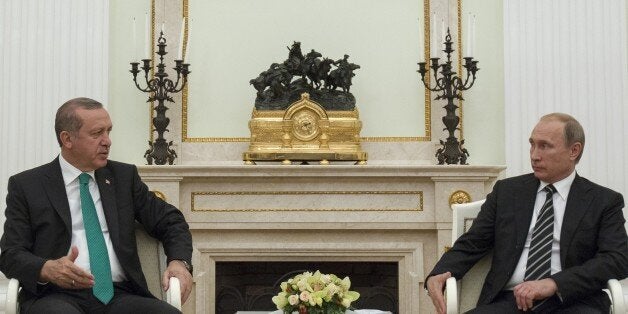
462, 295
153, 262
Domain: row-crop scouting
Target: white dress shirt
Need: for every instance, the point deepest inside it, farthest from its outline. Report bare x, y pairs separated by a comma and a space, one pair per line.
559, 198
72, 189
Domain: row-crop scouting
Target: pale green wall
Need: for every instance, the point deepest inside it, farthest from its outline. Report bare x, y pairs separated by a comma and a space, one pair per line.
127, 105
483, 111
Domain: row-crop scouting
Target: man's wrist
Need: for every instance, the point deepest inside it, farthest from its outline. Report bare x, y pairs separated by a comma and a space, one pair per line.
185, 264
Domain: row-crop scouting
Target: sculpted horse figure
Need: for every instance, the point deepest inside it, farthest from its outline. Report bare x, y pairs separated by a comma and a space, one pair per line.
341, 77
295, 58
308, 62
277, 78
318, 71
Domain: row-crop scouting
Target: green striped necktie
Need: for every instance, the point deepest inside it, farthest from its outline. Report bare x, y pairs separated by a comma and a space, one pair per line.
98, 256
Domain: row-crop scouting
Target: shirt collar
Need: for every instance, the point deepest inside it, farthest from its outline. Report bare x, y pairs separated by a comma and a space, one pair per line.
562, 186
69, 172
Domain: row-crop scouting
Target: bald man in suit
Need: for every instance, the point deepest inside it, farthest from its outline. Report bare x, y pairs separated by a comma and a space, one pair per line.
45, 242
586, 247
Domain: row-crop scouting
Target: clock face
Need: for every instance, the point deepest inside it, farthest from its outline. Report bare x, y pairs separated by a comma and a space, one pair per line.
305, 126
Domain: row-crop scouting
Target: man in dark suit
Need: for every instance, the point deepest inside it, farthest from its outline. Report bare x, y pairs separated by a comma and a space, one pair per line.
556, 237
63, 264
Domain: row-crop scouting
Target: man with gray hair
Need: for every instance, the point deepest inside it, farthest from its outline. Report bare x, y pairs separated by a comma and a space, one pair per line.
556, 237
69, 235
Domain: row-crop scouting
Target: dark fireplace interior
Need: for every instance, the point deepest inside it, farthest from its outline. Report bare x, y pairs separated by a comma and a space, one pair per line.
249, 286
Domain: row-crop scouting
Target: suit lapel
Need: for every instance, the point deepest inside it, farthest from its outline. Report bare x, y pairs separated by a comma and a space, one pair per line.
524, 202
106, 186
577, 203
55, 189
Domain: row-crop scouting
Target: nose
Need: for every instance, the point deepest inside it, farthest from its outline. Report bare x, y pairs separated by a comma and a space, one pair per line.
534, 155
106, 140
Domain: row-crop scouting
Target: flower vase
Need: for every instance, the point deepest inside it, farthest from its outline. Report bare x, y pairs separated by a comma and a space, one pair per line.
302, 310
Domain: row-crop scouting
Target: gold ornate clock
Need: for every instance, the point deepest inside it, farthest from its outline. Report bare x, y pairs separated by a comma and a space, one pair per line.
305, 132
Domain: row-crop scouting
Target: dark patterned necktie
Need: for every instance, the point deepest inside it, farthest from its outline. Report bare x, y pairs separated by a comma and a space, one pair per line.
540, 255
98, 256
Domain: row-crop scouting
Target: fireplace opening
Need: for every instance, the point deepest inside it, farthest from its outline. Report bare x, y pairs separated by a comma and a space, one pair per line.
249, 286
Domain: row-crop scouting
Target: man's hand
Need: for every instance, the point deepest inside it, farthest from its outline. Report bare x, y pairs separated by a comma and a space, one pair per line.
529, 291
65, 274
435, 286
177, 269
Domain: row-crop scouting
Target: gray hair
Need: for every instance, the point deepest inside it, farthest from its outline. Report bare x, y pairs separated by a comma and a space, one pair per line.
66, 118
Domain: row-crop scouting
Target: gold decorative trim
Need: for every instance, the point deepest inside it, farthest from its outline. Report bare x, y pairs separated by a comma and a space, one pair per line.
159, 194
382, 139
459, 197
460, 102
427, 93
419, 207
151, 104
215, 139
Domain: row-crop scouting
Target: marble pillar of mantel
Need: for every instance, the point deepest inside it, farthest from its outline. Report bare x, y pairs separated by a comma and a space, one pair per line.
395, 213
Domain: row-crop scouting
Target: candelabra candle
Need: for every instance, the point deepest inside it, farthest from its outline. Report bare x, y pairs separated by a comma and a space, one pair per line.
448, 87
160, 89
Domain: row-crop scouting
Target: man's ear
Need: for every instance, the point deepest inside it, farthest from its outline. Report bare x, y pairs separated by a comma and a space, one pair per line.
575, 150
66, 139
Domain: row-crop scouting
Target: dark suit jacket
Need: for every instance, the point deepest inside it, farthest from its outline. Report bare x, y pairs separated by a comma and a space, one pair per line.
38, 223
593, 244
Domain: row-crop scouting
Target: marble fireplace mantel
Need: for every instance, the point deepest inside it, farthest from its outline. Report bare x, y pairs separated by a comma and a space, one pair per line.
271, 213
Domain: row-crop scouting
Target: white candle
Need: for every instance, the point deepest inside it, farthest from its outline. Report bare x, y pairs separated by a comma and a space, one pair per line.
443, 34
134, 41
147, 41
421, 43
433, 37
187, 43
467, 44
473, 38
180, 54
163, 28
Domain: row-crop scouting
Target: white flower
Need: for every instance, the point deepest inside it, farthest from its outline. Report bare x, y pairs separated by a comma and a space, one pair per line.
345, 283
280, 300
346, 302
326, 279
305, 296
293, 299
302, 284
332, 289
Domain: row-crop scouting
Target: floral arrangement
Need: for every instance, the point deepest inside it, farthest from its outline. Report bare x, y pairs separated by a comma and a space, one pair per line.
315, 293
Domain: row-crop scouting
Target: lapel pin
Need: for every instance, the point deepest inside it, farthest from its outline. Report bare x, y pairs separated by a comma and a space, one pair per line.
107, 181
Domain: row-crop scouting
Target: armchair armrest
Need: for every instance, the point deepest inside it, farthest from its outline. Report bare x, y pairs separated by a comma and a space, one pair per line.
12, 291
173, 295
451, 295
617, 297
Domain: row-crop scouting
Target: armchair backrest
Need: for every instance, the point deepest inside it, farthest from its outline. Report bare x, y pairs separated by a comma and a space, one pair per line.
152, 259
471, 284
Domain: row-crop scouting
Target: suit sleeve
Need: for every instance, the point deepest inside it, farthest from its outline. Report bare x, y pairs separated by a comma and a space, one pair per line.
474, 244
588, 269
16, 260
162, 221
